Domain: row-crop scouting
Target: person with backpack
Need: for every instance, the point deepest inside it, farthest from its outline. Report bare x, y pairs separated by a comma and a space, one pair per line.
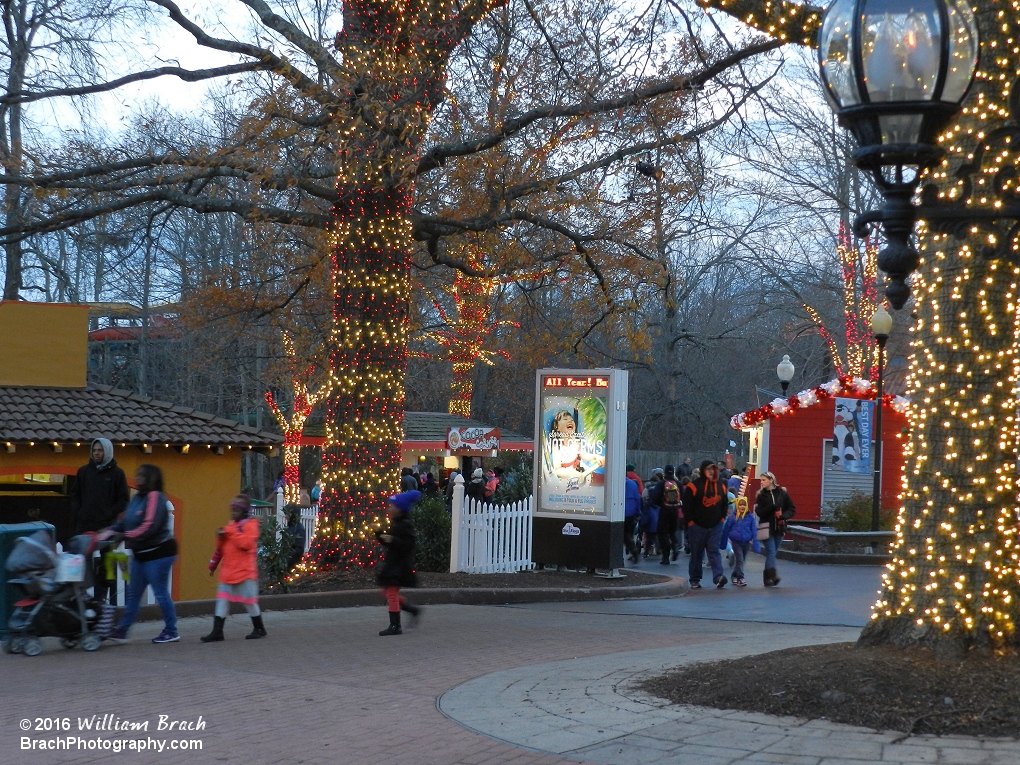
669, 496
705, 511
742, 531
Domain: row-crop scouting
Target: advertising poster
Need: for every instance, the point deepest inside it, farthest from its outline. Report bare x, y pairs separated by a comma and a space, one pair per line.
573, 442
851, 436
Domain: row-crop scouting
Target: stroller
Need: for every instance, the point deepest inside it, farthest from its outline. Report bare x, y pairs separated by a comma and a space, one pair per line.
56, 602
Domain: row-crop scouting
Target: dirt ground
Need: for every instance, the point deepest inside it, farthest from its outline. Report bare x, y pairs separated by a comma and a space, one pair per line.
363, 579
879, 688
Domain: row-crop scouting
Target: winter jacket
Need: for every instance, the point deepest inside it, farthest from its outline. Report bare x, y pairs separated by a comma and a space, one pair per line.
776, 507
146, 527
636, 479
705, 502
397, 569
99, 494
237, 549
632, 501
475, 489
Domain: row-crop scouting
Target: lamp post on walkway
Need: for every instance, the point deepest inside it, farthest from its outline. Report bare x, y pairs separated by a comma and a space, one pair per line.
881, 326
785, 370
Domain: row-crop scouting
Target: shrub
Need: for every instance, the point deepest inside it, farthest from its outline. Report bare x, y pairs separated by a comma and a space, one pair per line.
275, 544
432, 528
854, 514
516, 484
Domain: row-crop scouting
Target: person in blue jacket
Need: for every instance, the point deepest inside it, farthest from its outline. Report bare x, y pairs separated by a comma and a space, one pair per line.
631, 514
145, 528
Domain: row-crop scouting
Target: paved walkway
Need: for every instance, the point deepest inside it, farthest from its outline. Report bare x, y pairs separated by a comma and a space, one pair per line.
324, 688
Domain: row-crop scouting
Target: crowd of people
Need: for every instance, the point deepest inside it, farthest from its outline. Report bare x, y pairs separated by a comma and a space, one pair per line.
703, 513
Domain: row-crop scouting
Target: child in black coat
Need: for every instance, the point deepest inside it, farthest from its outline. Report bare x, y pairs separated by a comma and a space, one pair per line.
398, 564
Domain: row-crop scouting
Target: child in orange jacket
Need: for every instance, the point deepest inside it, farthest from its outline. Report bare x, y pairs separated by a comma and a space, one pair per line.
237, 544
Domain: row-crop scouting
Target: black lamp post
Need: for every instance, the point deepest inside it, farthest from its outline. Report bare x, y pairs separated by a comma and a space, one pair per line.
881, 326
895, 73
785, 370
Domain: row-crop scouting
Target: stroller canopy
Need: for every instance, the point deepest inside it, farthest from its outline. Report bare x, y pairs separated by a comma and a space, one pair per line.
32, 553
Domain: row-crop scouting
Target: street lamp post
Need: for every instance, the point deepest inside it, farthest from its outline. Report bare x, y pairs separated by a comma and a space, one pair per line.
881, 326
785, 370
895, 72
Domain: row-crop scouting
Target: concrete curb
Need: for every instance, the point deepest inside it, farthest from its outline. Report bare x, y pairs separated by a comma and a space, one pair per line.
834, 559
468, 596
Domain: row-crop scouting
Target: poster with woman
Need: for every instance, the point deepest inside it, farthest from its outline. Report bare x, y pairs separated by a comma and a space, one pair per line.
851, 436
573, 451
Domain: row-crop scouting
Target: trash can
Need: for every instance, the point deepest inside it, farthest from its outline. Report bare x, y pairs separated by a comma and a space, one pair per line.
9, 534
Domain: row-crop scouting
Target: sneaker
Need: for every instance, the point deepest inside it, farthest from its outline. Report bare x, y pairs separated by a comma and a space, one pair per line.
720, 582
695, 585
166, 637
117, 636
676, 553
739, 582
687, 550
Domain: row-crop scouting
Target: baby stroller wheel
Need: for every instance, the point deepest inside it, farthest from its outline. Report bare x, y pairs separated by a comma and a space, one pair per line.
32, 647
91, 641
13, 644
69, 643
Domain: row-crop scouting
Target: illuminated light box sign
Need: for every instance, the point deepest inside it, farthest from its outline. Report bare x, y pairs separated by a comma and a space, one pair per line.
472, 439
581, 436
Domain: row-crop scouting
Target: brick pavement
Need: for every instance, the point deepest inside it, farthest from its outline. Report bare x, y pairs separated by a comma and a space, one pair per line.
323, 688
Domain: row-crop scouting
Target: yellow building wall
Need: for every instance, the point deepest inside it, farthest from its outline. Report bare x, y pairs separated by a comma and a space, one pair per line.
200, 484
43, 344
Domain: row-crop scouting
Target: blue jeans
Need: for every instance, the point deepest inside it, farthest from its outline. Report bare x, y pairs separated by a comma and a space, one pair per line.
771, 547
155, 574
740, 550
701, 539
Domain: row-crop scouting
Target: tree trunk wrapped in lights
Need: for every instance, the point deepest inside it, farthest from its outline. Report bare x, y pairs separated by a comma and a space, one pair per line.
860, 300
465, 337
293, 426
953, 583
399, 52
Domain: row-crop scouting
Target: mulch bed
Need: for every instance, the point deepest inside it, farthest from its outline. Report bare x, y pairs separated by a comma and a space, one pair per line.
364, 579
882, 688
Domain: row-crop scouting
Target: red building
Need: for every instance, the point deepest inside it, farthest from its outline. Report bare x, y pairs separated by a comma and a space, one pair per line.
793, 438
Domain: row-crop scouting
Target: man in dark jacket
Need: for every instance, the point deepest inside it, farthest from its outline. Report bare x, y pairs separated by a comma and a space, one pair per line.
705, 507
99, 495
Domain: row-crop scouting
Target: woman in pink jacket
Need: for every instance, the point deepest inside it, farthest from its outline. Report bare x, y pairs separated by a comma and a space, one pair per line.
237, 544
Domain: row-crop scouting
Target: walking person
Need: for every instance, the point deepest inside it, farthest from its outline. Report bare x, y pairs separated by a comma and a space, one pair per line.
237, 546
650, 511
631, 516
398, 564
742, 531
705, 512
145, 527
475, 488
99, 495
774, 507
669, 497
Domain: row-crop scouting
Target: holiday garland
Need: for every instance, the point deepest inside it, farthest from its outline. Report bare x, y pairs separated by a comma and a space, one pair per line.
851, 387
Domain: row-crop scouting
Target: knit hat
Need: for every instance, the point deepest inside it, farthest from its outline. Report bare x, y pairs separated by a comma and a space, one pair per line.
479, 473
241, 502
405, 500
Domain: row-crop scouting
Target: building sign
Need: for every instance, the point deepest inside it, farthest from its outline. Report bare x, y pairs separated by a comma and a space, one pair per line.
851, 436
472, 439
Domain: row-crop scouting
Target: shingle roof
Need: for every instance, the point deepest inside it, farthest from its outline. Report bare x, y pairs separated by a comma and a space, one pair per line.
69, 415
431, 426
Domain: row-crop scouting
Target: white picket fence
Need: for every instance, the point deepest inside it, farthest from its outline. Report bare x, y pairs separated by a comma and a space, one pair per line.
489, 539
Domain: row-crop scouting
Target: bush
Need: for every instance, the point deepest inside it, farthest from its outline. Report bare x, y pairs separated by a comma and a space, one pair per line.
516, 484
854, 514
275, 544
432, 528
